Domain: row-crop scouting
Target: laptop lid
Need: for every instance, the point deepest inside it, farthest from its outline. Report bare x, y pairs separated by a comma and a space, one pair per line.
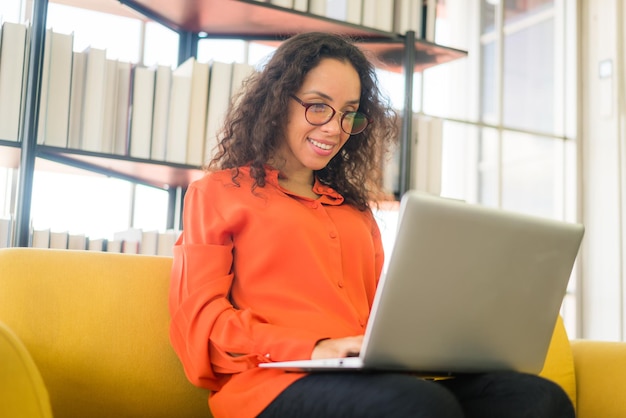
468, 289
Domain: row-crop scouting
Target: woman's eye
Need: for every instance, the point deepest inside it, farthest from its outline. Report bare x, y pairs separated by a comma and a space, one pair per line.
318, 108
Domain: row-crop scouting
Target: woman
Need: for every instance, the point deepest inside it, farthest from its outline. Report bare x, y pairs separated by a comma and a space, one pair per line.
280, 254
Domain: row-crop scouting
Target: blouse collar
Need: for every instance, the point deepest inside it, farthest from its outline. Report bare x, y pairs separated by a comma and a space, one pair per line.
328, 195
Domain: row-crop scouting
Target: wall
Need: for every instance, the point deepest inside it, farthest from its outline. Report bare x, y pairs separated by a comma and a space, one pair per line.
603, 170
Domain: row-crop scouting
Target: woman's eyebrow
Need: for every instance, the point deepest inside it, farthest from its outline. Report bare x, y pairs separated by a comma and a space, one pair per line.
327, 97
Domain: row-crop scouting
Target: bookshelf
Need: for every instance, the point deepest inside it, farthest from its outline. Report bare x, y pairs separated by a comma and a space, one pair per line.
192, 19
251, 20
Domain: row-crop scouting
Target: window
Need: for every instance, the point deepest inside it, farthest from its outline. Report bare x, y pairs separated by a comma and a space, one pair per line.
504, 109
508, 130
96, 206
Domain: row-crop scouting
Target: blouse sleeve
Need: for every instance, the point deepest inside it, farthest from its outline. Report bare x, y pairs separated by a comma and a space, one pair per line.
211, 337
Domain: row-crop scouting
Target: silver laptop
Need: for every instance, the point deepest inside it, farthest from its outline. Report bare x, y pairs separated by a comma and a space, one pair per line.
467, 289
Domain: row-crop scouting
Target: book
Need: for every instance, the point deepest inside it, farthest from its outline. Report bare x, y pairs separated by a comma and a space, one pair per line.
354, 11
283, 3
122, 106
197, 113
430, 14
6, 229
300, 5
40, 238
166, 241
56, 90
142, 101
317, 7
241, 72
97, 244
149, 242
384, 15
221, 76
93, 100
59, 240
25, 76
187, 113
127, 240
79, 59
77, 242
43, 92
427, 154
109, 109
337, 9
130, 247
408, 17
13, 59
369, 13
113, 246
161, 108
391, 172
24, 80
178, 118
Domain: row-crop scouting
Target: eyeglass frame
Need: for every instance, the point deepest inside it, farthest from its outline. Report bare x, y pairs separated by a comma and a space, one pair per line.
343, 115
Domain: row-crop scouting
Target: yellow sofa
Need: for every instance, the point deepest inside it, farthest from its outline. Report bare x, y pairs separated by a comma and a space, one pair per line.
96, 326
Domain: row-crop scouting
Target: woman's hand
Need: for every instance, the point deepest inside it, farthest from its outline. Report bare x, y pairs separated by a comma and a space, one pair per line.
338, 347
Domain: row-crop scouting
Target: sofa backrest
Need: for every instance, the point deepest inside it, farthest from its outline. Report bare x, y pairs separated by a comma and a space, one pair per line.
97, 326
559, 364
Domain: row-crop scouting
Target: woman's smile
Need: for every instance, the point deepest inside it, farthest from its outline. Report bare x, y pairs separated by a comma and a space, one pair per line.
322, 148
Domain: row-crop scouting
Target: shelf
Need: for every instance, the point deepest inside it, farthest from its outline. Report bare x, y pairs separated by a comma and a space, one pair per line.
153, 173
159, 174
249, 20
103, 6
390, 56
218, 19
243, 19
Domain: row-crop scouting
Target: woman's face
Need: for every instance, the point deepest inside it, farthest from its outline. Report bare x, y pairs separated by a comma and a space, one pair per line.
308, 147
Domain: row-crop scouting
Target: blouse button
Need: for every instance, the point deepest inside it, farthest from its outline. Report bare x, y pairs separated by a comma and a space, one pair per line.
332, 234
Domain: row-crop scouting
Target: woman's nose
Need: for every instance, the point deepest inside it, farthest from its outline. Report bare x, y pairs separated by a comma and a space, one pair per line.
333, 126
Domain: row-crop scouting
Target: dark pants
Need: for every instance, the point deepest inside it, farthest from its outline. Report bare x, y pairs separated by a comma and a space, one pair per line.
501, 395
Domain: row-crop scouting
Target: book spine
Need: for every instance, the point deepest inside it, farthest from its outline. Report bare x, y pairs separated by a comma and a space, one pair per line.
13, 48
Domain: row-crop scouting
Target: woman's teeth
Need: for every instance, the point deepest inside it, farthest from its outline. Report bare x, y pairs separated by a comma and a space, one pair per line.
320, 145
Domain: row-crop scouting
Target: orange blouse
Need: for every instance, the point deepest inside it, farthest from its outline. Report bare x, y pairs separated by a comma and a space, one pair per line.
262, 275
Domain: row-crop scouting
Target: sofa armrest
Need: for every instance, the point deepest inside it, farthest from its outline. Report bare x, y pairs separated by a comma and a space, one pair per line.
600, 378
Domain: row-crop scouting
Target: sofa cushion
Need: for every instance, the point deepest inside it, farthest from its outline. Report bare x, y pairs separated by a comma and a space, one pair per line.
97, 326
559, 364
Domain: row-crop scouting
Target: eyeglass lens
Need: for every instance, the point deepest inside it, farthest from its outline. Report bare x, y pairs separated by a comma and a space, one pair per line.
351, 122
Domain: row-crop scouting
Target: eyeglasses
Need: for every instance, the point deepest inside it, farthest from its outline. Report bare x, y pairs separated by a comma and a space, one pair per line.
318, 114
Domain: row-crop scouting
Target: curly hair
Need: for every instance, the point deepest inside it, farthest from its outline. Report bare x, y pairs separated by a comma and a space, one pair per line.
254, 126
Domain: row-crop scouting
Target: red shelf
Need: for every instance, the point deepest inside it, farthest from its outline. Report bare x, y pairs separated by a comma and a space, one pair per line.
243, 19
250, 20
155, 173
